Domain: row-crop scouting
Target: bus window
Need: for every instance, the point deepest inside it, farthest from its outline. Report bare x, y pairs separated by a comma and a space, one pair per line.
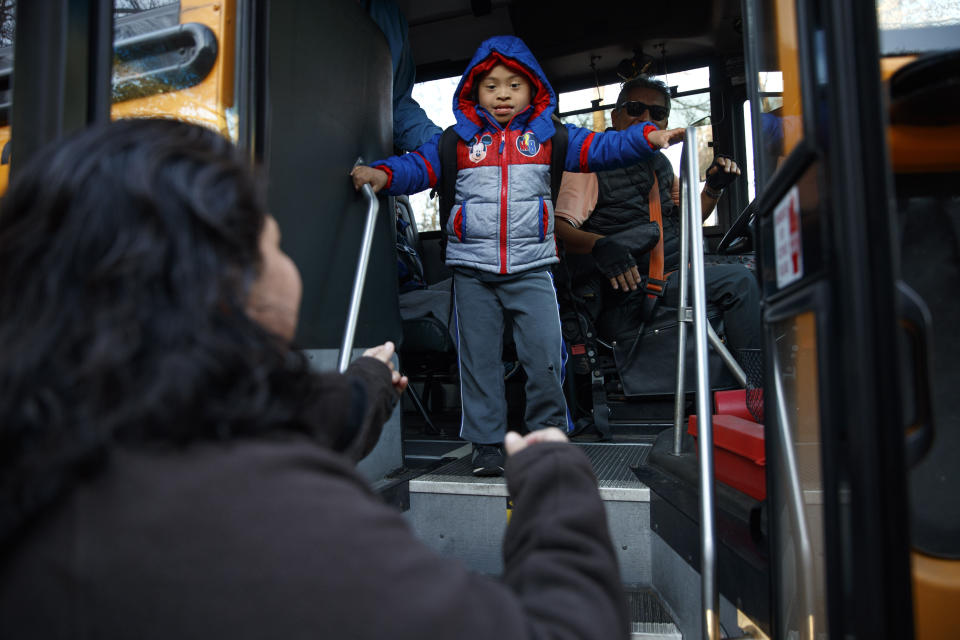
578, 108
749, 164
136, 17
802, 546
7, 24
893, 15
690, 105
172, 58
777, 108
436, 98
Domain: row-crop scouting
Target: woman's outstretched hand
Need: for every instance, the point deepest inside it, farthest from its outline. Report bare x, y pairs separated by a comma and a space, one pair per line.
384, 353
514, 442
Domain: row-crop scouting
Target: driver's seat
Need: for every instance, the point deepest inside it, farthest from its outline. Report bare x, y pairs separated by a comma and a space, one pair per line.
647, 364
630, 368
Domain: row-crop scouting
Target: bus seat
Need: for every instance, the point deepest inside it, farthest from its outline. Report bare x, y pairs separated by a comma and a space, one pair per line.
651, 367
425, 312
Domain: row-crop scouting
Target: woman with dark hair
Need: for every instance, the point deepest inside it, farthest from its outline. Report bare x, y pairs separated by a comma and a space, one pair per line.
170, 468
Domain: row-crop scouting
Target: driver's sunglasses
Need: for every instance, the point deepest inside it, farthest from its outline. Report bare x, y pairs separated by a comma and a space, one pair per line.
636, 108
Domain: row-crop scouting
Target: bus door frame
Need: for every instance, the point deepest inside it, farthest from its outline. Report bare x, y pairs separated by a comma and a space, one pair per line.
62, 71
851, 288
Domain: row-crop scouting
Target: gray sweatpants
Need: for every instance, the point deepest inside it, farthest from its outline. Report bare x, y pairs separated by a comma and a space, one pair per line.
480, 310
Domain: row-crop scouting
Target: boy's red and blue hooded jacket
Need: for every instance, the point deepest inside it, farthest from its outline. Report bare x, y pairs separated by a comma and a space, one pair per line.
502, 221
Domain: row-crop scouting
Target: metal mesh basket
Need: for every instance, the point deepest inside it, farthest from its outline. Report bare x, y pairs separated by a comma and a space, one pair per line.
752, 362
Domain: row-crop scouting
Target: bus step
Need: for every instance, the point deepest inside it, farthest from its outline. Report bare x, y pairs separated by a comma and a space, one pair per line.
611, 463
649, 619
423, 448
460, 515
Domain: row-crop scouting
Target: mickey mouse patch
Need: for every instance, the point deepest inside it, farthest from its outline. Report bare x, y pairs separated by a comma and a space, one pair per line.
478, 148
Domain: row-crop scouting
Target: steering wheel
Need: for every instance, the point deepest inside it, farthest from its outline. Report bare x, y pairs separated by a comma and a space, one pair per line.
737, 239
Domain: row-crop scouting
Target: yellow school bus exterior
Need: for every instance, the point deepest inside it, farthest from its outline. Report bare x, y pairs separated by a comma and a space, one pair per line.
183, 71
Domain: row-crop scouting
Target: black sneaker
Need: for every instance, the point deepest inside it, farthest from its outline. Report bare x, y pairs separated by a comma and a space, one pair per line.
487, 460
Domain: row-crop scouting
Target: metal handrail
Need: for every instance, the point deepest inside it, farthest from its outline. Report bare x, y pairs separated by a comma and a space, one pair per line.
732, 366
683, 317
795, 502
692, 240
373, 206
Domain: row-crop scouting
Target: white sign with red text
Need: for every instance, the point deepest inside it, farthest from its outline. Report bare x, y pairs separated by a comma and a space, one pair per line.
786, 239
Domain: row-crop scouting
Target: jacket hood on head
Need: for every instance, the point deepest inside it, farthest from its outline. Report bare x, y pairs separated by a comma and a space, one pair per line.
514, 54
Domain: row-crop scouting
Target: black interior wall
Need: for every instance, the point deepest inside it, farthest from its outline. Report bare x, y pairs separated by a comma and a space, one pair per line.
330, 83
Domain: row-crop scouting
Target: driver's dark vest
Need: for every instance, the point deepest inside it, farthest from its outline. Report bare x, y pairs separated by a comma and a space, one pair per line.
622, 203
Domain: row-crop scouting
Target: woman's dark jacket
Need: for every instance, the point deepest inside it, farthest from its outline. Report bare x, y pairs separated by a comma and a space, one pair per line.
279, 537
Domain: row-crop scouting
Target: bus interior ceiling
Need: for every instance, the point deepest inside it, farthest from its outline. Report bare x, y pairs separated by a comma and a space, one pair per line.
568, 38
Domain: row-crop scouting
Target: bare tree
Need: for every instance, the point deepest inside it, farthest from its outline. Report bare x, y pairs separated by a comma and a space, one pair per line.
7, 21
897, 14
123, 7
120, 8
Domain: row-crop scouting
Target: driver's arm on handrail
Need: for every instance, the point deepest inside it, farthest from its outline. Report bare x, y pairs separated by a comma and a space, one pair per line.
707, 204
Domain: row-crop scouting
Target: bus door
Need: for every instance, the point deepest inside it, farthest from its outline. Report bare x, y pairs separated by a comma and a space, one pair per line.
921, 73
834, 431
329, 103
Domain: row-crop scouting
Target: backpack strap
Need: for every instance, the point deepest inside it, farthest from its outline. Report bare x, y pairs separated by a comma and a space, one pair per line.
447, 188
558, 157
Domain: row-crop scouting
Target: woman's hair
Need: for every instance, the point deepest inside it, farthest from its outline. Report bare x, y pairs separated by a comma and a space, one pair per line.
126, 256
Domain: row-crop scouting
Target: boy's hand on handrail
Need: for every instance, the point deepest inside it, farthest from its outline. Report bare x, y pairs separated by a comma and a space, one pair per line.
384, 353
362, 175
513, 442
663, 138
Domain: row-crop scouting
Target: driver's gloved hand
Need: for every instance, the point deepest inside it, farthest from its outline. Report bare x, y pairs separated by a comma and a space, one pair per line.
720, 178
612, 257
639, 239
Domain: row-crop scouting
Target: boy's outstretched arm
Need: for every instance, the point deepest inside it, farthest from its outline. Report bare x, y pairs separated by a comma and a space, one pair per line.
592, 151
663, 138
402, 175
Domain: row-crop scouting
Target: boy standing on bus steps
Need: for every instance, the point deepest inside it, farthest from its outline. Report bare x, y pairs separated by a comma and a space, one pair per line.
500, 241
